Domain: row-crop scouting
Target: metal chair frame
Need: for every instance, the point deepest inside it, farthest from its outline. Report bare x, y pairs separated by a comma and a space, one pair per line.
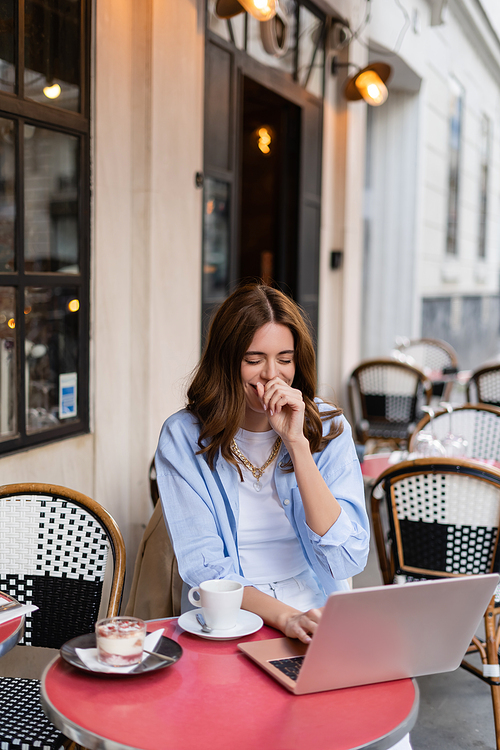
386, 427
484, 385
439, 356
455, 489
55, 555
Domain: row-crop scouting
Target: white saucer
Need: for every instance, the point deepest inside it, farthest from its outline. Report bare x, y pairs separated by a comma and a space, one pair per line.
248, 623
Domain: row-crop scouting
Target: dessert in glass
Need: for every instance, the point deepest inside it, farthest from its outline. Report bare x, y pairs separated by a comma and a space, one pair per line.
120, 640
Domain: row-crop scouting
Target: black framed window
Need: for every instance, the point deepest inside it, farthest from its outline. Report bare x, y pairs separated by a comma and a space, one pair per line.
455, 119
484, 178
44, 220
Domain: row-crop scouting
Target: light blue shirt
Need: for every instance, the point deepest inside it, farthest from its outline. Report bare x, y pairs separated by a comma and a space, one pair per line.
201, 507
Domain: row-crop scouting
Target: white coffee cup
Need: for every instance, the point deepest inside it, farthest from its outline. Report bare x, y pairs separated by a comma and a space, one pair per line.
220, 601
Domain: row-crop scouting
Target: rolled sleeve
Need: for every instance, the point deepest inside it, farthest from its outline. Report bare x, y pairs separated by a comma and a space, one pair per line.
342, 551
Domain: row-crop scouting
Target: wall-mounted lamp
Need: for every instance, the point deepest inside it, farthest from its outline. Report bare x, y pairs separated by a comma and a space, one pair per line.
368, 83
262, 10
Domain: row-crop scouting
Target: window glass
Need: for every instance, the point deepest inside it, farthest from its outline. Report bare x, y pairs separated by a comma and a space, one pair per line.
7, 46
273, 42
52, 325
51, 200
310, 71
52, 52
216, 229
7, 195
455, 132
484, 163
44, 213
8, 370
218, 25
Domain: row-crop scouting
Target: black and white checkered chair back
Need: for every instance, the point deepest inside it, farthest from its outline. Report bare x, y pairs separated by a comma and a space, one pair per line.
480, 427
444, 522
484, 386
426, 354
390, 397
53, 554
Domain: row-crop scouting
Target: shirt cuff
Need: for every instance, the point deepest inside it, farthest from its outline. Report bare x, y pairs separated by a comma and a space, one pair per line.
337, 534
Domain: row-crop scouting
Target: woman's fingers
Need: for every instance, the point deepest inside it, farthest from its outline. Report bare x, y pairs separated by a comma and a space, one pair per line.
277, 394
303, 625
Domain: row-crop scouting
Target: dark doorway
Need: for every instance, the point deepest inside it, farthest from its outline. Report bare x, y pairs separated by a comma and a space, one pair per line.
262, 213
269, 188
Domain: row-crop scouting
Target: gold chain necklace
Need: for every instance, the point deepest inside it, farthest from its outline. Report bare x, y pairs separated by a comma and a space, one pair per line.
257, 473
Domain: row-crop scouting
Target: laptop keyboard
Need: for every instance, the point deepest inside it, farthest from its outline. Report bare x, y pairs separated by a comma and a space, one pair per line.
290, 667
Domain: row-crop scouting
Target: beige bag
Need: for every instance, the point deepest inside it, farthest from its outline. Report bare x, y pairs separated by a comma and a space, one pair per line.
156, 585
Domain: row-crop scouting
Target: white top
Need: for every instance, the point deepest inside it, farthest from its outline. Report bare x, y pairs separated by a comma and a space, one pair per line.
268, 547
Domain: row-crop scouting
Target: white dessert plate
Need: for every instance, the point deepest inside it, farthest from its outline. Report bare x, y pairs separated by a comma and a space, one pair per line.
248, 622
165, 646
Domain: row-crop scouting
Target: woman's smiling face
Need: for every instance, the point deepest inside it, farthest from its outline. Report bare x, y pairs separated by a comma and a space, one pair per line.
270, 355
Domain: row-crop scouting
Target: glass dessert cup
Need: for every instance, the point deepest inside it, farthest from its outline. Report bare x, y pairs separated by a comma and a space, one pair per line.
120, 640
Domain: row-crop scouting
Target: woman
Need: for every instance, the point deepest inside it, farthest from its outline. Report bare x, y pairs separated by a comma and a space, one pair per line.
259, 480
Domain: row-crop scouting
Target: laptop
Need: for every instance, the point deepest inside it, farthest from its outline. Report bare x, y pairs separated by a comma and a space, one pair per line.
381, 633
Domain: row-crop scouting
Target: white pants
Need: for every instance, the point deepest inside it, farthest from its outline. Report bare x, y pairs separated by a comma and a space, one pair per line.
301, 591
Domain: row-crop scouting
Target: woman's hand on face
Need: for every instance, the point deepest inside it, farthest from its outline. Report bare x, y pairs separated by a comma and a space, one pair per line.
285, 408
303, 625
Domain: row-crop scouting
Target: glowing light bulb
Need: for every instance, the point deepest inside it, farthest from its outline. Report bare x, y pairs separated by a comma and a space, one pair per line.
73, 305
262, 10
11, 323
371, 87
52, 92
264, 140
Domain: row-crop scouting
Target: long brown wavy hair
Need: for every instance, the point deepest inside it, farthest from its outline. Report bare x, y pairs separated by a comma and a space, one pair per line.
216, 396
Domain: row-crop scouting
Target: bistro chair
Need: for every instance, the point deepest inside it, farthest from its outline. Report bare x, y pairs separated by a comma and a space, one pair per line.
56, 547
436, 358
484, 385
385, 397
479, 424
437, 518
153, 484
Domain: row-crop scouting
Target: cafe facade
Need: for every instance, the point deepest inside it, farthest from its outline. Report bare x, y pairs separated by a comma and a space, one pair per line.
183, 152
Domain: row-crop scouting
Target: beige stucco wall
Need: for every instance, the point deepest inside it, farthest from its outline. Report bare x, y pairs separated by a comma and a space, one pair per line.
148, 146
339, 333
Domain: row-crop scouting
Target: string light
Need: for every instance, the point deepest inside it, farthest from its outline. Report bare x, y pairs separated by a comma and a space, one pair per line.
264, 140
52, 92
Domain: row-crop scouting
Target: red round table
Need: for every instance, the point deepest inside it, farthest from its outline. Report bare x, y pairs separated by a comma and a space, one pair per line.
215, 698
374, 464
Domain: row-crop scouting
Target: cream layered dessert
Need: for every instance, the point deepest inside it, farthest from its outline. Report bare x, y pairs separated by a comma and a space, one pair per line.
120, 640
